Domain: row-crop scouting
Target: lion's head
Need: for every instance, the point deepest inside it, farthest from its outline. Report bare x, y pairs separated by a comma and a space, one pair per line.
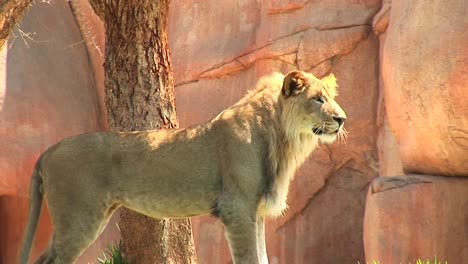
311, 107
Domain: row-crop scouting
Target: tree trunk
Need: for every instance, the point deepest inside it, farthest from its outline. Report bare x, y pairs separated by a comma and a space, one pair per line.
139, 96
11, 11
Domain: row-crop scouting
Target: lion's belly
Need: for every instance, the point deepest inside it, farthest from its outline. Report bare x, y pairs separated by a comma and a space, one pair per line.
172, 206
173, 195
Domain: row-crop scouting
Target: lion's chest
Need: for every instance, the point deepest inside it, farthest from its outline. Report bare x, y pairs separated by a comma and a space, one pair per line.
274, 203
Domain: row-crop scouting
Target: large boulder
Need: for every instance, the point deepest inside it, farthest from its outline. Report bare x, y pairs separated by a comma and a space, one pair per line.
417, 216
425, 77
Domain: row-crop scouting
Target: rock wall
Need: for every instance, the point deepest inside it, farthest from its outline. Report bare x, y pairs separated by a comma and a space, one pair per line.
403, 90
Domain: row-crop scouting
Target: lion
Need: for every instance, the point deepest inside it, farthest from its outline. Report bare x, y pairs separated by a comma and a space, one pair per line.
236, 167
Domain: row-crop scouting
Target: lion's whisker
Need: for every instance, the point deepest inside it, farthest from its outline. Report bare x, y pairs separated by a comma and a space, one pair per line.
343, 135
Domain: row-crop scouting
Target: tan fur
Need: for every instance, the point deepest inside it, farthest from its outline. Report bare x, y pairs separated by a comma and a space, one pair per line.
237, 167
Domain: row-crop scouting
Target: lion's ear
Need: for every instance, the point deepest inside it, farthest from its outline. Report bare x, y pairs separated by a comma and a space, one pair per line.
294, 83
330, 82
329, 79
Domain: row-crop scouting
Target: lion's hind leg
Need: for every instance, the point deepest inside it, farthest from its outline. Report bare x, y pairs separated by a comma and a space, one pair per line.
48, 256
73, 233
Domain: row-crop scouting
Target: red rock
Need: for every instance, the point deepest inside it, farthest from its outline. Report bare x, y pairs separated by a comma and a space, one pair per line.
48, 93
425, 77
201, 45
317, 46
382, 18
92, 32
387, 145
417, 216
388, 149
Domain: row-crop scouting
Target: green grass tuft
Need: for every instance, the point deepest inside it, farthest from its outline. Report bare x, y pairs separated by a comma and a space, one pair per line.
419, 261
113, 255
427, 261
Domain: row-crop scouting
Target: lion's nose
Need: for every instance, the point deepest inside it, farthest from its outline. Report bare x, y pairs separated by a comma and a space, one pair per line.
339, 119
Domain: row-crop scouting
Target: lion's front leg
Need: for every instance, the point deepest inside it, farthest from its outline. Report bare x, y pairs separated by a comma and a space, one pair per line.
261, 246
242, 239
241, 231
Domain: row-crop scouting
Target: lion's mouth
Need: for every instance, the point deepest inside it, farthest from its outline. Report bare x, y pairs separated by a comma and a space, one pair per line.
318, 131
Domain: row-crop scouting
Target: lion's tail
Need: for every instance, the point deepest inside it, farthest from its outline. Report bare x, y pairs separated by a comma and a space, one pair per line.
34, 212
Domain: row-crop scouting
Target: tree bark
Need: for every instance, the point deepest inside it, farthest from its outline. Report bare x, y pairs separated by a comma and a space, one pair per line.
139, 96
11, 12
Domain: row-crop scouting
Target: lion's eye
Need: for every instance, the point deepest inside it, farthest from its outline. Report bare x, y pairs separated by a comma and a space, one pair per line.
319, 99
